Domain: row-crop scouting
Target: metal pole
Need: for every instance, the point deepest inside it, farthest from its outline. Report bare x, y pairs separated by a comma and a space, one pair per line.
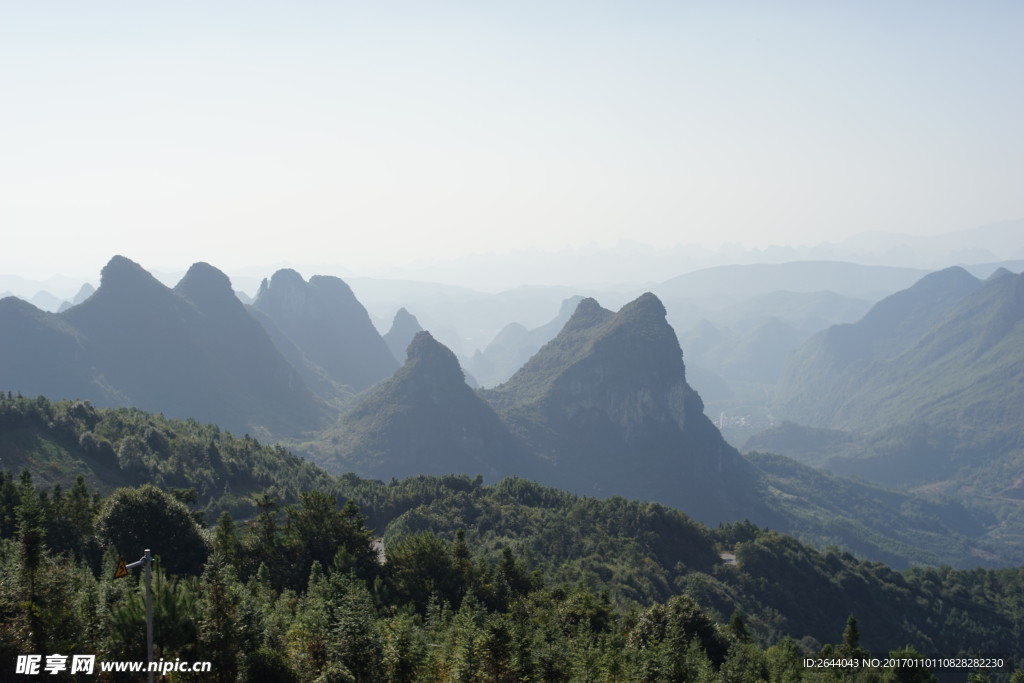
149, 615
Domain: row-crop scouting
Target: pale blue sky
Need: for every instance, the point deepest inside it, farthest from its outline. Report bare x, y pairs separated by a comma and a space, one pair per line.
365, 133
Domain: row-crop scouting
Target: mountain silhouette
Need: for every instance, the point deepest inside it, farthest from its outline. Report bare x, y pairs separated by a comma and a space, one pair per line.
425, 419
404, 327
188, 352
822, 373
40, 353
933, 387
515, 344
606, 405
324, 322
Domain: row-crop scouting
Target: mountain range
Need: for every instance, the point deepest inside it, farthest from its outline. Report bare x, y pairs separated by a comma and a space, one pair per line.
191, 351
603, 408
922, 393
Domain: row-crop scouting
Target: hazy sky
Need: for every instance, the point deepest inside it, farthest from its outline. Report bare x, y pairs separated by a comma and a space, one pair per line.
366, 133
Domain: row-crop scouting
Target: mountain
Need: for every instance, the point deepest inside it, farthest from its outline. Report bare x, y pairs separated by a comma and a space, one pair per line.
972, 360
424, 419
933, 403
514, 345
188, 352
45, 301
607, 404
404, 327
823, 372
84, 293
462, 319
807, 312
324, 322
40, 353
605, 409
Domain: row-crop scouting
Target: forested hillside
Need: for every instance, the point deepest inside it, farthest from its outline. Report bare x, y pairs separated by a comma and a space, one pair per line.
510, 581
60, 440
110, 447
628, 592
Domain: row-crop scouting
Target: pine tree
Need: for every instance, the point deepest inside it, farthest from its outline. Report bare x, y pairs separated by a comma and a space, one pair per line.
31, 517
219, 635
355, 641
308, 637
225, 540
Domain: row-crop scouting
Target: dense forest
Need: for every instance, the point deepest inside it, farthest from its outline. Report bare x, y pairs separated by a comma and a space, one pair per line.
513, 581
302, 594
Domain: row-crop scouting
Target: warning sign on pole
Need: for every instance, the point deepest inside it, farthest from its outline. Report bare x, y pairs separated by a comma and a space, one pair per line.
122, 568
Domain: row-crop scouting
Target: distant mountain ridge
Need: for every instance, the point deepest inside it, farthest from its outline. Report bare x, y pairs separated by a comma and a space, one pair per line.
515, 344
932, 378
404, 327
822, 373
189, 352
744, 281
424, 419
604, 409
323, 319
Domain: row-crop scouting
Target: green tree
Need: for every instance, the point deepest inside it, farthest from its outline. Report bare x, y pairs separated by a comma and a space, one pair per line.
31, 516
133, 520
356, 642
403, 648
783, 662
308, 637
219, 628
419, 567
175, 612
738, 626
225, 540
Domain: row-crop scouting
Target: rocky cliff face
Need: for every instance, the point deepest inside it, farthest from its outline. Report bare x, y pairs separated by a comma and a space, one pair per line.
607, 404
632, 374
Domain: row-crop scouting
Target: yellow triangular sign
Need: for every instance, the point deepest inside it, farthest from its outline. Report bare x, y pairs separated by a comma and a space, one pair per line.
121, 570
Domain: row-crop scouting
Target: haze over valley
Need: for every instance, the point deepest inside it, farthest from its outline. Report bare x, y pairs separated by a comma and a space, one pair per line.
632, 403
